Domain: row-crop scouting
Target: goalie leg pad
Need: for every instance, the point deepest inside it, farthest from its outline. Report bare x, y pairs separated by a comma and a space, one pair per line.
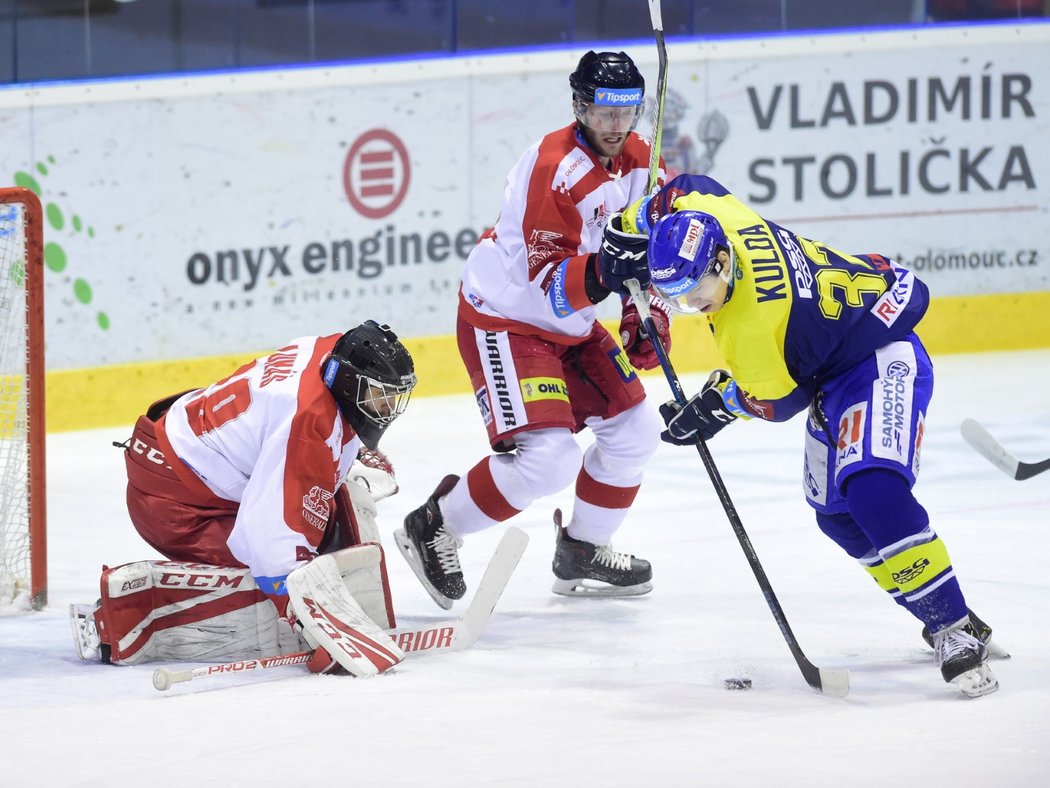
169, 610
353, 524
362, 509
332, 619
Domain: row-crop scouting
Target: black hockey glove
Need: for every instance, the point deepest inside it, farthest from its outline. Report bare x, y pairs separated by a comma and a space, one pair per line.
702, 417
622, 256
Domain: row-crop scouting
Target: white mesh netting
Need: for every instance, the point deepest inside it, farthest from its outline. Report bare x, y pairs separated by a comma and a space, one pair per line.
14, 474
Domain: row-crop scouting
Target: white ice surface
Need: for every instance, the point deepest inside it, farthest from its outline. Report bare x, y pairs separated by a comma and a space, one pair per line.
574, 692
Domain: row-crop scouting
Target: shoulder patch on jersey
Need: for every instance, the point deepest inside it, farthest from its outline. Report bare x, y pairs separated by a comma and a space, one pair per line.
316, 507
542, 247
571, 170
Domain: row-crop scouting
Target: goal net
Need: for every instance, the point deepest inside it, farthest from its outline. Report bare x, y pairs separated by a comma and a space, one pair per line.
23, 548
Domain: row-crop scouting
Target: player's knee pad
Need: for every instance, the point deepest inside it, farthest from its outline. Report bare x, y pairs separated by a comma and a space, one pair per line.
881, 502
629, 439
547, 461
844, 531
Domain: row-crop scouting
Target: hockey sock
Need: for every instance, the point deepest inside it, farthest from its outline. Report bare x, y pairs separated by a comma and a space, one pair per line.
916, 559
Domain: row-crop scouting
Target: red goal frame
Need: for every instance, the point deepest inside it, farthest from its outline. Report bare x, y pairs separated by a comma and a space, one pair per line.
33, 234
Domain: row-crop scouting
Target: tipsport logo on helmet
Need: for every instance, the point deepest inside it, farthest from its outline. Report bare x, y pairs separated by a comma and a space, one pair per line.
618, 97
676, 288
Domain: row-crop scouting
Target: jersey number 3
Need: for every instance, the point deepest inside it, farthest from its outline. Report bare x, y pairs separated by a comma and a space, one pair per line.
836, 287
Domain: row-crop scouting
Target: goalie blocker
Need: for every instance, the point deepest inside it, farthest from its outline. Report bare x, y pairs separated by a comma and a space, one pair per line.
338, 603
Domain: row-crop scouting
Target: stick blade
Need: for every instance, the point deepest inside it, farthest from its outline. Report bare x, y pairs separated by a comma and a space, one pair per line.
834, 682
988, 447
656, 15
497, 574
1026, 470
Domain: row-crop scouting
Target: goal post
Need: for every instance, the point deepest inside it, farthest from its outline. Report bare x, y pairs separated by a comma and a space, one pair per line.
23, 536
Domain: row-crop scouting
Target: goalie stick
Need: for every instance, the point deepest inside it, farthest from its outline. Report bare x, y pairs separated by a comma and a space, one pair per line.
454, 635
830, 682
993, 451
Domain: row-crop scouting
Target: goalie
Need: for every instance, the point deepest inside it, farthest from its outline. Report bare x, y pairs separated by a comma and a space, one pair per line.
260, 490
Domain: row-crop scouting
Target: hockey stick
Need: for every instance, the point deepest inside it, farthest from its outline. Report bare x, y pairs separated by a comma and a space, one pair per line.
831, 682
656, 17
993, 451
454, 635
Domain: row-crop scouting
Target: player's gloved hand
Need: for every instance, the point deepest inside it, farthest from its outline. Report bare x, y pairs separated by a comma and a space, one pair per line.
636, 342
622, 256
322, 662
374, 470
702, 416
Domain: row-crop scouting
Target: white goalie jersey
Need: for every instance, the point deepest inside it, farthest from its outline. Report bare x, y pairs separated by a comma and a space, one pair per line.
285, 482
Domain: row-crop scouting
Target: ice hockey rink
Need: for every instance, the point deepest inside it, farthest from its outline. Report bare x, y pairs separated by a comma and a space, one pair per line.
598, 692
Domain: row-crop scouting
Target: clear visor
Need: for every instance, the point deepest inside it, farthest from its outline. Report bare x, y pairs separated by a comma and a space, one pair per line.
708, 293
383, 402
605, 119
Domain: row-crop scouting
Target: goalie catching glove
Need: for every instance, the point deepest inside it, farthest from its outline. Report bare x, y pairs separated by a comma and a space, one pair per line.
634, 338
375, 472
705, 414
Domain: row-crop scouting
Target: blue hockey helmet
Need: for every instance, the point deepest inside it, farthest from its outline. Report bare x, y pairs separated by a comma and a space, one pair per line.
691, 261
371, 375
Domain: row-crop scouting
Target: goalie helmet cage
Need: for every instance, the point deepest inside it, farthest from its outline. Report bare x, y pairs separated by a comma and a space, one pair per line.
23, 539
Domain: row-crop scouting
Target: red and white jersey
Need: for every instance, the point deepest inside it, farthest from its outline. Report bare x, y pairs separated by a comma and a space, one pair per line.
270, 437
526, 275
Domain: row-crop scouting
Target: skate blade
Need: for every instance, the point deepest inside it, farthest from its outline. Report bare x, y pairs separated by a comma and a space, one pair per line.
997, 651
415, 563
85, 636
977, 682
596, 588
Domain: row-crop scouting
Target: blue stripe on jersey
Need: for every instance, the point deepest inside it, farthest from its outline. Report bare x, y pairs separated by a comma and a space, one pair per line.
556, 292
274, 586
731, 398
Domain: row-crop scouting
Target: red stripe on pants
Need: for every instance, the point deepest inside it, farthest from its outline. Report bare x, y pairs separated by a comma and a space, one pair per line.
607, 496
486, 495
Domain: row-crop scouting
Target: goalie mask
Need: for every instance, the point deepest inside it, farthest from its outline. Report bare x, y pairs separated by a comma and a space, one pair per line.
371, 376
691, 262
607, 92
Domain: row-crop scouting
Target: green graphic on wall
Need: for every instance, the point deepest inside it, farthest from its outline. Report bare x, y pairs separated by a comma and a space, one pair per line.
55, 257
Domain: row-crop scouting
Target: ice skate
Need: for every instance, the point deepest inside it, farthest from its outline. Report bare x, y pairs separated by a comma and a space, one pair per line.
85, 634
976, 627
963, 660
585, 569
431, 551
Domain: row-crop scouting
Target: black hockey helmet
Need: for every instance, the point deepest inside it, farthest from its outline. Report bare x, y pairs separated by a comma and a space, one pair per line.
598, 71
371, 376
607, 92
